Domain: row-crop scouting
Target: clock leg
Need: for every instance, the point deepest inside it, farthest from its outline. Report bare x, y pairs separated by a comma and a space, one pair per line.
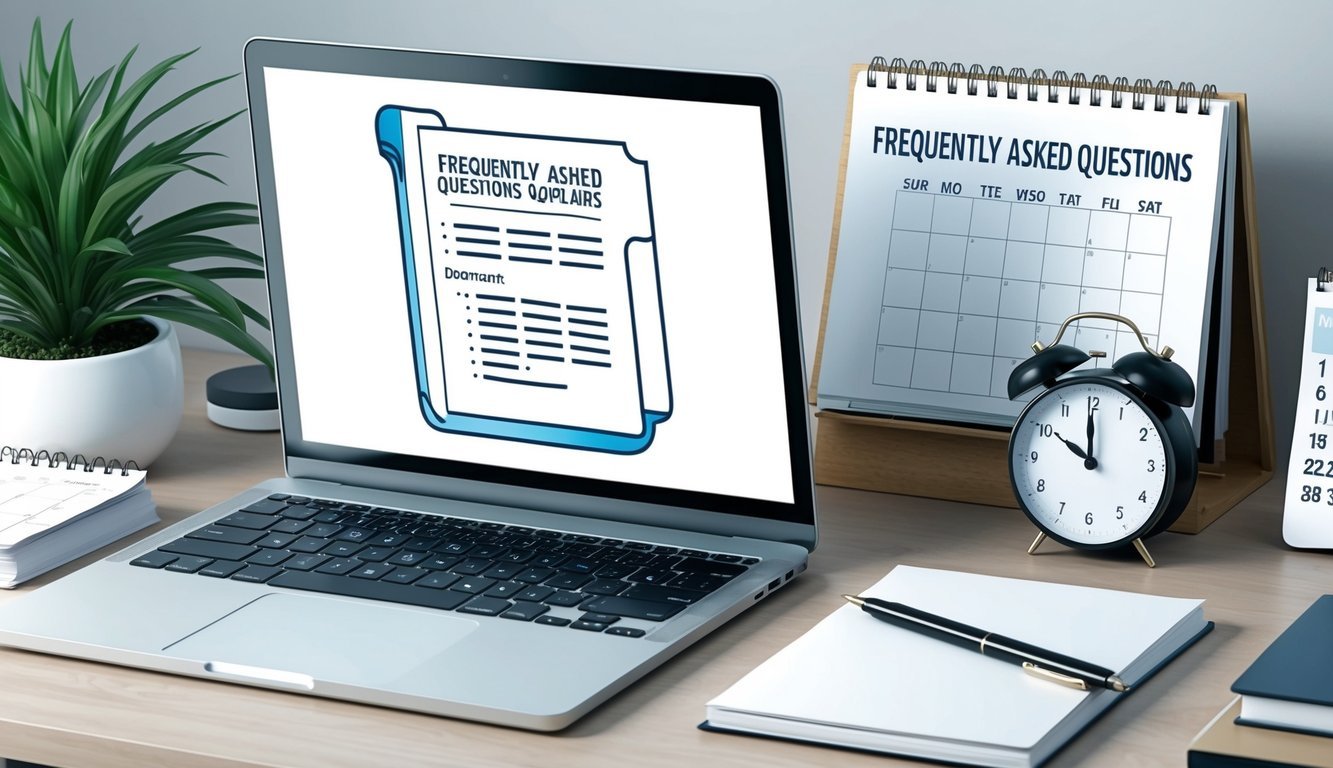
1143, 552
1032, 549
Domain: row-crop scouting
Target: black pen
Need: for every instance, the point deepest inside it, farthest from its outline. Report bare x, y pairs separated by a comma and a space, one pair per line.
1038, 662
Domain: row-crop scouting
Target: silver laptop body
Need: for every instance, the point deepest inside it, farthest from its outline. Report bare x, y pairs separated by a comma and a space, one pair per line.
532, 301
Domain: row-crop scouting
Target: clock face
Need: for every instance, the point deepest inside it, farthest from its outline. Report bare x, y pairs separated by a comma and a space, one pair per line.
1089, 463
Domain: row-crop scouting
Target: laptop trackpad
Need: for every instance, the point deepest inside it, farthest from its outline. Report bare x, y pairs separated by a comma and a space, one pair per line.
294, 640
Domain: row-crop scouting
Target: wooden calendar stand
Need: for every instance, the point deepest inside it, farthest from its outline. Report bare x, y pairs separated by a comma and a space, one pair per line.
969, 464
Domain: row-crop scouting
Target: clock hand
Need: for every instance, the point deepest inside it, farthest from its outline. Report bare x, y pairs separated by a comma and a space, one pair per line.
1079, 452
1088, 461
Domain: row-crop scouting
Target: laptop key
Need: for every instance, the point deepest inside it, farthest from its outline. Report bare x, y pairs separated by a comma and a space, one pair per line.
265, 507
226, 533
525, 611
154, 559
221, 569
188, 563
268, 557
633, 609
625, 631
698, 582
437, 580
472, 566
275, 540
305, 562
605, 587
407, 557
406, 594
600, 618
563, 599
473, 585
309, 544
504, 571
568, 580
699, 565
337, 548
358, 535
439, 562
590, 626
290, 526
535, 575
658, 594
485, 606
376, 554
257, 522
298, 513
338, 566
405, 575
555, 621
257, 574
371, 571
506, 589
534, 594
212, 550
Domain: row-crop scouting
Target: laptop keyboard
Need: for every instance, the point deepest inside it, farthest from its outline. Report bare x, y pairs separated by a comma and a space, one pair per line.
474, 567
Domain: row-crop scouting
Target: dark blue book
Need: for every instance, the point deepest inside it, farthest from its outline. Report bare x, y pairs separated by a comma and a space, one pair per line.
1290, 685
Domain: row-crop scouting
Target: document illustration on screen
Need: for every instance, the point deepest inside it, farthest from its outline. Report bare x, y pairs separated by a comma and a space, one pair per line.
531, 270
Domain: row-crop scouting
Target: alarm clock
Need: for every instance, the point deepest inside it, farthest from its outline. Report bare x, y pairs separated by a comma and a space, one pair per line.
1102, 458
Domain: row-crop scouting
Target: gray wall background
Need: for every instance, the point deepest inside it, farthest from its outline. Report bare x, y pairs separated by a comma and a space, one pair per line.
1274, 51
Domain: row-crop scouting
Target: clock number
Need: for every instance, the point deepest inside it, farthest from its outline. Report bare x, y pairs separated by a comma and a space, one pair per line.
1034, 457
1143, 497
1093, 402
1119, 513
1062, 508
1321, 368
1064, 409
1088, 518
1310, 493
1122, 413
1041, 485
1320, 393
1045, 430
1143, 434
1318, 439
1152, 465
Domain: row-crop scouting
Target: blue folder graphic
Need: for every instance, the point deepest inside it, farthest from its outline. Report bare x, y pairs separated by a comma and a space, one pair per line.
530, 266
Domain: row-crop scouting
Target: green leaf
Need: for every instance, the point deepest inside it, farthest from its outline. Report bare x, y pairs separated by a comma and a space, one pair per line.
177, 310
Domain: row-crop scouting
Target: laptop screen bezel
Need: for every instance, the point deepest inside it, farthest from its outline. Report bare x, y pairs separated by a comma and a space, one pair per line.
453, 478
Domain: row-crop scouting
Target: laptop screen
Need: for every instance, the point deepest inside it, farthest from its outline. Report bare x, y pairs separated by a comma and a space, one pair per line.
567, 277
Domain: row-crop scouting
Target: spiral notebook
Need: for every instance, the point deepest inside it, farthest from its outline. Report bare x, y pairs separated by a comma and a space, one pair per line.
54, 508
981, 208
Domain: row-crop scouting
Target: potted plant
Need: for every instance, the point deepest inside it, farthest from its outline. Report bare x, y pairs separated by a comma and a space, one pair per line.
89, 362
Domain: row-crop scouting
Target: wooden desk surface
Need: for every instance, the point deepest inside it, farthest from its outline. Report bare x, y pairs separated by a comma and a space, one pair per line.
71, 713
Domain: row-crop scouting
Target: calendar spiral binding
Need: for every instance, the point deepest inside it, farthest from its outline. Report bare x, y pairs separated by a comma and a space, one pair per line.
1017, 79
76, 462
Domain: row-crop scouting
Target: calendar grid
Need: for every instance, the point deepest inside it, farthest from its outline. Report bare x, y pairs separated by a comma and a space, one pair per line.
970, 282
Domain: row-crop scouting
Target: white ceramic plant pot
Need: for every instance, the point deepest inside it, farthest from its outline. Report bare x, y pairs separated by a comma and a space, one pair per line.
124, 406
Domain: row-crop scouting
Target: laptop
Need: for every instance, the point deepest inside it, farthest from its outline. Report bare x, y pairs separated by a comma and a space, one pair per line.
541, 383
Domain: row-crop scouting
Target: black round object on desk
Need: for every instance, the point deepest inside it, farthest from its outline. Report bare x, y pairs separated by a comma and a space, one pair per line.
243, 398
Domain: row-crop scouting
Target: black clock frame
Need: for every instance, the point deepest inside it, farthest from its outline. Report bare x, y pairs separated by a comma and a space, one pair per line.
1177, 436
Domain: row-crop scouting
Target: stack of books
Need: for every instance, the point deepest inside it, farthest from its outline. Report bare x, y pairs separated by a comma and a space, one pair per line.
1284, 714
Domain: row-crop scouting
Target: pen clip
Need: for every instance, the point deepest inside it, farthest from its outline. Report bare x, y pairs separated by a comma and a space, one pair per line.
1054, 677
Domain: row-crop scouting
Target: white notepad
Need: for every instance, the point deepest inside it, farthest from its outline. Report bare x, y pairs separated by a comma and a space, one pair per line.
52, 511
857, 682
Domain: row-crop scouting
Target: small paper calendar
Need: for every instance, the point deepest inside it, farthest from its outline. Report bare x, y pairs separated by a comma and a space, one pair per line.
1307, 520
978, 214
